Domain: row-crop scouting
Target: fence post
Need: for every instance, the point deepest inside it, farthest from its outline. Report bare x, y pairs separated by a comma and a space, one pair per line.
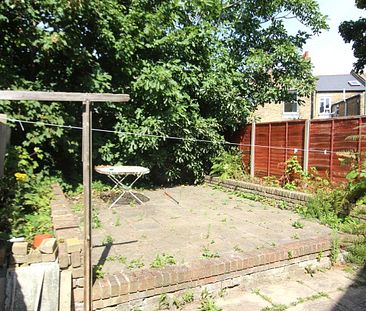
306, 146
252, 151
4, 140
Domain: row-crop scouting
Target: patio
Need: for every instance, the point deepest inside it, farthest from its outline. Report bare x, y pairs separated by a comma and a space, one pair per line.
191, 223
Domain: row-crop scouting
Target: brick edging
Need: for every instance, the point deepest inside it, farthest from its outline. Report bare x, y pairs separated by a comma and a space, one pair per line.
291, 197
140, 284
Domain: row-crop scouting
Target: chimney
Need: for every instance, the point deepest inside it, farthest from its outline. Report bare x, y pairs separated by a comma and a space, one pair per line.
306, 55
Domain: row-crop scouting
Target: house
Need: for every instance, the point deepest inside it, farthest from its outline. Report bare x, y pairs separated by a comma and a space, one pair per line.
335, 96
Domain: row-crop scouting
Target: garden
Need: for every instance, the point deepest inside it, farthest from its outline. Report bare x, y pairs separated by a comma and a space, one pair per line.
195, 71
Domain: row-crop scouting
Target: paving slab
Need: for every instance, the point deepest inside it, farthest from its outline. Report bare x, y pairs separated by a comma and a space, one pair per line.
330, 290
204, 218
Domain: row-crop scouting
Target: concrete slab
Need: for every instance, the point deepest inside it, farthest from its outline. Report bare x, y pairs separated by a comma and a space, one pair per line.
204, 217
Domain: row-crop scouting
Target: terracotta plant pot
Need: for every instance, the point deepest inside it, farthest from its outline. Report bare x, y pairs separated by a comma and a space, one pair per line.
38, 238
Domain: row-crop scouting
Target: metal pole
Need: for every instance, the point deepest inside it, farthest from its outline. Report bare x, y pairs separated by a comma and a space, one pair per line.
87, 165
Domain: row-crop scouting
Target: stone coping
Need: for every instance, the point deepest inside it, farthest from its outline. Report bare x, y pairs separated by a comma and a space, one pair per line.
140, 284
271, 192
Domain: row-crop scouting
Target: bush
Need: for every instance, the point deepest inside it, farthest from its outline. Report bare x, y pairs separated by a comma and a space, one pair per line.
24, 196
228, 164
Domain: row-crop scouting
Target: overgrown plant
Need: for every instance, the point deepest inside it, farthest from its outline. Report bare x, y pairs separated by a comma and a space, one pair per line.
228, 165
25, 195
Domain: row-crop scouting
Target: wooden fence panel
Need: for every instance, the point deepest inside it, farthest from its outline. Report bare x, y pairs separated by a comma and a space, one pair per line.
262, 147
244, 141
276, 142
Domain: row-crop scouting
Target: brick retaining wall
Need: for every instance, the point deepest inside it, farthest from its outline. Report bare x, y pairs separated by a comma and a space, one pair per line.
292, 198
143, 287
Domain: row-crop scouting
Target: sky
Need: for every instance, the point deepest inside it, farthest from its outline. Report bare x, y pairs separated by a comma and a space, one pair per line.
329, 53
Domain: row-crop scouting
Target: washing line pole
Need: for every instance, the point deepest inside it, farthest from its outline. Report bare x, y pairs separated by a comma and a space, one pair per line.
87, 99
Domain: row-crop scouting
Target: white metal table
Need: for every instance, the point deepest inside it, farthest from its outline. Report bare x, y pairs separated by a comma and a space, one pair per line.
118, 175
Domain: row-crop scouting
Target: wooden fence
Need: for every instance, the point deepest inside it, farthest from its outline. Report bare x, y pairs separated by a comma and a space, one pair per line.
316, 143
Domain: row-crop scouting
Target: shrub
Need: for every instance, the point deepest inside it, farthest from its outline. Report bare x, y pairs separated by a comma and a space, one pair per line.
228, 164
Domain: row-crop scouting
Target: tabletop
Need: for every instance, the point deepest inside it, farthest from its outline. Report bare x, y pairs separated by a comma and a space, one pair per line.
121, 170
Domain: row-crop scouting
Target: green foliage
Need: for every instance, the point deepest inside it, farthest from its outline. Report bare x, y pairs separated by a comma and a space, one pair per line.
228, 164
357, 251
335, 249
208, 302
207, 253
164, 302
136, 263
298, 224
353, 31
163, 260
192, 68
98, 272
25, 195
328, 207
108, 240
182, 300
119, 258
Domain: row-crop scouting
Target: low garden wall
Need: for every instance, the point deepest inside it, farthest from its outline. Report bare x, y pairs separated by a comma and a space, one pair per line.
292, 198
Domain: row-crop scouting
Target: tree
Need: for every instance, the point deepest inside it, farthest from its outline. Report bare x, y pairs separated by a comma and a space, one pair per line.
194, 69
355, 31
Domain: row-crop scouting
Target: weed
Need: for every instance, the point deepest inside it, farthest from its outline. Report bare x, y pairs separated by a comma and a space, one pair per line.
163, 302
357, 251
108, 240
77, 207
180, 301
274, 306
320, 256
118, 221
334, 252
298, 224
295, 236
207, 253
96, 223
136, 263
290, 255
316, 296
98, 272
222, 292
163, 260
119, 258
309, 269
208, 302
238, 249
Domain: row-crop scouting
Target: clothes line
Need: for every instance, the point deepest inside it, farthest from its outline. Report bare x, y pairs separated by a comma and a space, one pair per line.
165, 137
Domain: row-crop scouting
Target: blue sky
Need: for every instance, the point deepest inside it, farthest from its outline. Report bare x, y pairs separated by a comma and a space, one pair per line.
329, 53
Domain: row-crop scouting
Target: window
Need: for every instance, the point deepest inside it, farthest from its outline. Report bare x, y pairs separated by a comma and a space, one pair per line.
291, 107
324, 105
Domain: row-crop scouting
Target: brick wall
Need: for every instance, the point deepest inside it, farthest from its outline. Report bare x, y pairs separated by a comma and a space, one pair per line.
292, 198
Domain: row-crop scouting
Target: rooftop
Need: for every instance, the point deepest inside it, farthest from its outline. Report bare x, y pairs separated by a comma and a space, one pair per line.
348, 82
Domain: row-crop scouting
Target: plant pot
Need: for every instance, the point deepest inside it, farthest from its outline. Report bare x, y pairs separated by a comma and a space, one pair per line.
38, 238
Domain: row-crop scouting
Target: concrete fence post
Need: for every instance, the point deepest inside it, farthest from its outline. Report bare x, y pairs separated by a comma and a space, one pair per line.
4, 141
252, 151
306, 146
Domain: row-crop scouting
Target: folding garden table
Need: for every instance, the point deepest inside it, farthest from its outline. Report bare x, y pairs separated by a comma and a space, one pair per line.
118, 174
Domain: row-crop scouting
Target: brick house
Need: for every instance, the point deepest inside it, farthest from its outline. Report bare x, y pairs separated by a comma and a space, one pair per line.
335, 96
